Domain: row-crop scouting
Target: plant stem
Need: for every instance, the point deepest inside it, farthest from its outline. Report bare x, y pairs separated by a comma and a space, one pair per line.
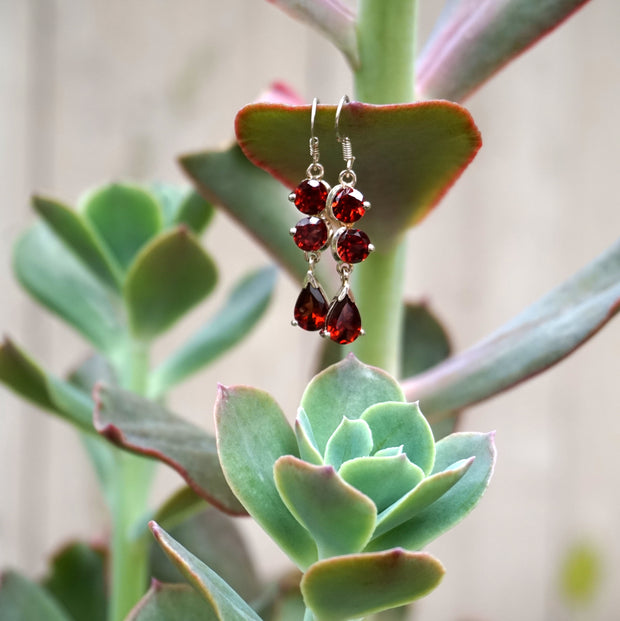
386, 37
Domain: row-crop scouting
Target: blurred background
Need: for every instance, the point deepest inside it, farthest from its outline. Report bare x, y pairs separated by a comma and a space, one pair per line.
103, 90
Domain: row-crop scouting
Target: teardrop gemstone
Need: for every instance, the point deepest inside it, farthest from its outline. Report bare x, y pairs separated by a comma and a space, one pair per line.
343, 321
348, 205
311, 308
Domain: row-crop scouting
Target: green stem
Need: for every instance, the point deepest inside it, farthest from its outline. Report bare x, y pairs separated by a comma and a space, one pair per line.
386, 37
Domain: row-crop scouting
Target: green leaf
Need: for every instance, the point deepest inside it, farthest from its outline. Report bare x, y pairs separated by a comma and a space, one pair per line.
339, 517
169, 276
581, 574
473, 40
23, 600
393, 424
252, 433
308, 450
383, 479
357, 585
180, 506
77, 581
165, 602
251, 197
124, 217
226, 604
540, 336
457, 502
182, 205
407, 155
75, 234
345, 389
52, 274
146, 428
240, 313
351, 439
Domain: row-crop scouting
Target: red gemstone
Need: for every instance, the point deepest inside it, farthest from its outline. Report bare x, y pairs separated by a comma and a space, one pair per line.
310, 234
353, 246
311, 308
343, 321
310, 196
348, 205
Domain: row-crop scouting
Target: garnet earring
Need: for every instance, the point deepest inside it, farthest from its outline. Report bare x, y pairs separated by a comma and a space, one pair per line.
311, 234
346, 205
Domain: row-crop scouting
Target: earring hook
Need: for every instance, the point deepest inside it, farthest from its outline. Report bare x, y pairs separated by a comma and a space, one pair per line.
343, 100
315, 103
314, 141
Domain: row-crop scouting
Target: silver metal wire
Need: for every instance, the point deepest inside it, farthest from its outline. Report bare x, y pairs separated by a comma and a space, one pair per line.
314, 141
345, 141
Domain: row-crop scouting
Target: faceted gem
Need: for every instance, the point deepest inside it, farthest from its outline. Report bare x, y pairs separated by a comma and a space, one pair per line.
310, 234
311, 308
348, 205
343, 321
310, 196
353, 246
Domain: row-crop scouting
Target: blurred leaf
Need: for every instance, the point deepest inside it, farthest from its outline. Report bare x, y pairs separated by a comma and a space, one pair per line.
165, 602
182, 505
407, 155
215, 539
182, 205
357, 585
55, 277
346, 389
581, 574
281, 599
224, 600
169, 276
475, 38
125, 217
76, 235
252, 432
23, 600
340, 518
146, 428
77, 580
456, 503
540, 336
240, 313
251, 197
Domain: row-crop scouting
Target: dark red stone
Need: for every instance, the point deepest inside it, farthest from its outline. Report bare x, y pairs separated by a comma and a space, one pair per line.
353, 246
310, 196
348, 205
311, 234
343, 321
311, 308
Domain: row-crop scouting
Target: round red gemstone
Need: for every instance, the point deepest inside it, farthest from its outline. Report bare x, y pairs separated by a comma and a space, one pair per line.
353, 246
343, 321
311, 308
348, 205
311, 234
310, 196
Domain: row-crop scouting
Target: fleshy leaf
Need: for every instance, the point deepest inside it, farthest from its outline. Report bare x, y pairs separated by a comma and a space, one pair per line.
183, 206
475, 38
308, 450
420, 497
252, 433
52, 274
351, 439
540, 336
357, 585
340, 518
391, 451
457, 502
345, 389
395, 423
180, 506
383, 479
226, 604
146, 428
408, 155
164, 602
240, 313
169, 276
23, 600
124, 217
73, 231
77, 581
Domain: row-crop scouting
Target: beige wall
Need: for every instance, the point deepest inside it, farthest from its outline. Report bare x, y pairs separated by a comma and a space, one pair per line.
98, 90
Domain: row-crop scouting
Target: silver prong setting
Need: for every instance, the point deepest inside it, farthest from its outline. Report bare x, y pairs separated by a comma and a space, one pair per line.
291, 196
367, 205
292, 231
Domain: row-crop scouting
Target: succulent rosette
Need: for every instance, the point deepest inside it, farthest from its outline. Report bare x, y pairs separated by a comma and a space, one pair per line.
356, 489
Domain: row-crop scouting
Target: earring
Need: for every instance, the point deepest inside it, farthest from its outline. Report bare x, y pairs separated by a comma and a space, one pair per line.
346, 204
311, 234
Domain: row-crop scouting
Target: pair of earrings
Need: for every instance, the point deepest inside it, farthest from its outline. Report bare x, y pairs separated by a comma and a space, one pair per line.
330, 216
